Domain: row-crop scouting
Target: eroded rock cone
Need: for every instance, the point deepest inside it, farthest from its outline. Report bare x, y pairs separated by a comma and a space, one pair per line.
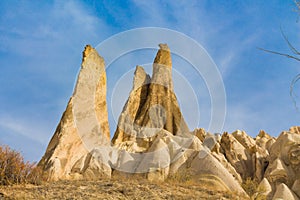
84, 124
151, 107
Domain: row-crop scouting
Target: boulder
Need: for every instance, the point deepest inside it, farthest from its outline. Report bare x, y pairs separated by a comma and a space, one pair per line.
262, 138
205, 163
295, 129
237, 155
264, 189
296, 187
200, 133
283, 192
244, 139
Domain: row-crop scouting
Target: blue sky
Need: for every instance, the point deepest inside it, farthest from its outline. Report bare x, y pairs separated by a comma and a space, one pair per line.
41, 44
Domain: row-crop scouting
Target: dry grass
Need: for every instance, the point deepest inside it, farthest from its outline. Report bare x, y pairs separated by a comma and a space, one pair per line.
112, 189
207, 181
183, 176
251, 187
14, 170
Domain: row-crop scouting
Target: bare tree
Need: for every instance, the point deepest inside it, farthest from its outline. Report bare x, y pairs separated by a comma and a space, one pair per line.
295, 55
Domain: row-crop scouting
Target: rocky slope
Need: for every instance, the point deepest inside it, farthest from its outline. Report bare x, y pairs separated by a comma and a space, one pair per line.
153, 141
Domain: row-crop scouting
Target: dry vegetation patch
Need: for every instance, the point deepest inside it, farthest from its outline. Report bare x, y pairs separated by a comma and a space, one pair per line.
14, 170
112, 189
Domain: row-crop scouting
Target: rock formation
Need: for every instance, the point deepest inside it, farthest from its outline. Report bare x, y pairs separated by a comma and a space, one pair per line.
153, 140
151, 107
275, 163
152, 131
284, 162
84, 124
283, 192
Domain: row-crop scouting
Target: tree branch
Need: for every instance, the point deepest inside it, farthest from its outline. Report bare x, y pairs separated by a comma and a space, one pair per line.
282, 54
293, 49
294, 81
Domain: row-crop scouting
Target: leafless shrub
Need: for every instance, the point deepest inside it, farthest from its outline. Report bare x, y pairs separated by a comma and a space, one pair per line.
14, 170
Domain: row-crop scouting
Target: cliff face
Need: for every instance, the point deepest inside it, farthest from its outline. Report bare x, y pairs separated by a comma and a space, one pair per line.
153, 140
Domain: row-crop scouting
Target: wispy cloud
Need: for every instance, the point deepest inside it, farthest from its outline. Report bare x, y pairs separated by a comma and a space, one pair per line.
28, 129
60, 24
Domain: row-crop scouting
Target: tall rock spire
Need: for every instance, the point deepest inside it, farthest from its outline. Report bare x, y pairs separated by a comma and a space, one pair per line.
151, 107
84, 124
163, 56
162, 68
